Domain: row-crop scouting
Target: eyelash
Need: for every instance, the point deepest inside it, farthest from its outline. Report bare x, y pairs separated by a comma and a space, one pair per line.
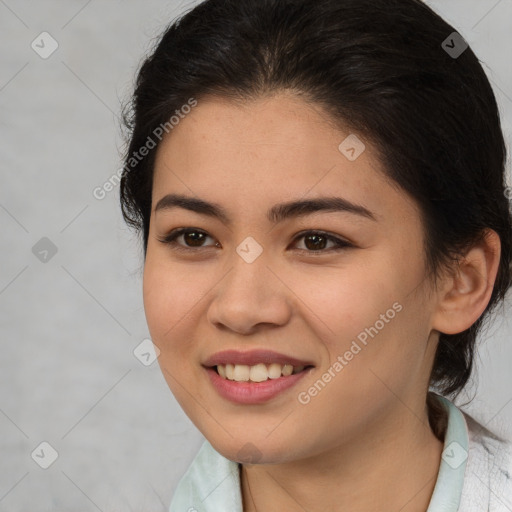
340, 244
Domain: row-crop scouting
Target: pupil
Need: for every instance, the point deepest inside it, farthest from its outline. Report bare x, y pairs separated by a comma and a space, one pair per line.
315, 244
196, 238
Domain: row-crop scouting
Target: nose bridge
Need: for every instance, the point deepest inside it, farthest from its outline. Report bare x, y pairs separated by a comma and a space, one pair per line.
249, 278
249, 294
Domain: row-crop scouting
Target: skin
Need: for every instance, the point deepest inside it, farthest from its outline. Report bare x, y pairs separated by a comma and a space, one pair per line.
363, 443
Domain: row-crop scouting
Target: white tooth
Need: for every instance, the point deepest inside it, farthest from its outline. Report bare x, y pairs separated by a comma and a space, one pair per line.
287, 370
241, 372
258, 373
230, 370
274, 371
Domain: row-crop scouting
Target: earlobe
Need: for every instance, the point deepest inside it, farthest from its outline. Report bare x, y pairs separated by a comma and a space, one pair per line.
464, 295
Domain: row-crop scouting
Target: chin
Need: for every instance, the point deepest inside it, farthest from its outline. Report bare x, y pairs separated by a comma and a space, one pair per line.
245, 451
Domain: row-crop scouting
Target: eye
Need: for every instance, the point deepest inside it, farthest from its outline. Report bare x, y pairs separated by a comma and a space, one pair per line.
314, 241
194, 237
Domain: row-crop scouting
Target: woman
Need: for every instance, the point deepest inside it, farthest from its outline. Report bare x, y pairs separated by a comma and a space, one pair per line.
320, 189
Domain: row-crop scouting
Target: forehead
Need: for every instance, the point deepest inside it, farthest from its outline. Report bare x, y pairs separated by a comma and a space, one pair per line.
267, 151
280, 121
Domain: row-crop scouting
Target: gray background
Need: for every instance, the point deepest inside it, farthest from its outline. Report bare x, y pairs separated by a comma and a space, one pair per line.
68, 375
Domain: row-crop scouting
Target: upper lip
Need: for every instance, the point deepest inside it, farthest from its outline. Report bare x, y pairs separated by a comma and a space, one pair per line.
252, 357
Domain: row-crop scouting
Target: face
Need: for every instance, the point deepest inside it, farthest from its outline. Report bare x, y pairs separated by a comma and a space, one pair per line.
342, 290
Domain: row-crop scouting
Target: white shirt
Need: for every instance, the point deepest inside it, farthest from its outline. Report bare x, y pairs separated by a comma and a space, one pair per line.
475, 474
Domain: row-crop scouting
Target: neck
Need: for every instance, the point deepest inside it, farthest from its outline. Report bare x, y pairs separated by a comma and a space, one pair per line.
390, 466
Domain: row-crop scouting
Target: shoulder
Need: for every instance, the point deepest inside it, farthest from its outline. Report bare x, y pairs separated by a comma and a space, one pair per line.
211, 483
488, 476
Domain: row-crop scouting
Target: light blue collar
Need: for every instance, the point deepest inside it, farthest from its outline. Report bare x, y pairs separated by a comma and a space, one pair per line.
450, 479
212, 482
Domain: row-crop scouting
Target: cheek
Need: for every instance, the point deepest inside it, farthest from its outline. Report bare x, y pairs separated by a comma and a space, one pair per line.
342, 302
157, 300
171, 303
167, 322
372, 318
171, 295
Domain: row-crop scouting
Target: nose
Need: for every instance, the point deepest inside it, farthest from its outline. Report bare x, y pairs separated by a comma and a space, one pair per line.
249, 297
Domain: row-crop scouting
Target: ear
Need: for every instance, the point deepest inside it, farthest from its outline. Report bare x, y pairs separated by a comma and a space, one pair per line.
464, 294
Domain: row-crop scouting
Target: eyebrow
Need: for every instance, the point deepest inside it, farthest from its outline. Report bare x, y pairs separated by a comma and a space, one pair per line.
277, 213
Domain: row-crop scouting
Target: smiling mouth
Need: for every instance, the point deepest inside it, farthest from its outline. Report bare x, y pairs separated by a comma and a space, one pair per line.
257, 373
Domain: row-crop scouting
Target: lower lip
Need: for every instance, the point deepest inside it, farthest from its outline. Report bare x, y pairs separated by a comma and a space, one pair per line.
253, 392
